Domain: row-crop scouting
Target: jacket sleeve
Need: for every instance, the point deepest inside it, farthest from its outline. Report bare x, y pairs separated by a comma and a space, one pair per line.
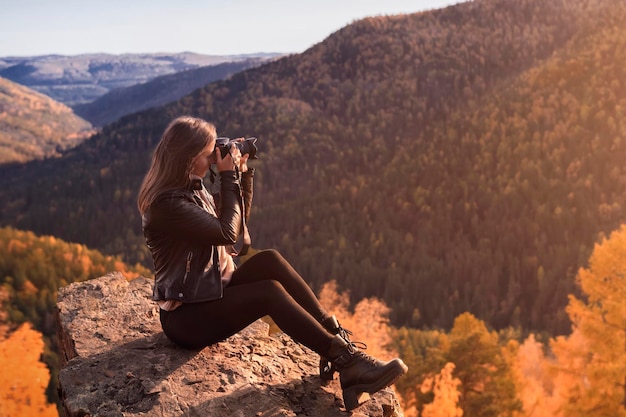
178, 216
247, 182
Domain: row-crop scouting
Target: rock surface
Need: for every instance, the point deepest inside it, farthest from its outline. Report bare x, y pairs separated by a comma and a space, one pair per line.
117, 362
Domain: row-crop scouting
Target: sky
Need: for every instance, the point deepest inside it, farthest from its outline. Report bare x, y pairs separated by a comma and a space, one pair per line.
212, 27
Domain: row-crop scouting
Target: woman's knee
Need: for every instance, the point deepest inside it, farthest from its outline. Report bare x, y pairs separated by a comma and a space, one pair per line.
273, 288
270, 255
270, 261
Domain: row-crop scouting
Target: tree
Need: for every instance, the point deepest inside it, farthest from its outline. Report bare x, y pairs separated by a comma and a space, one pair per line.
487, 382
593, 357
537, 384
24, 378
369, 322
445, 387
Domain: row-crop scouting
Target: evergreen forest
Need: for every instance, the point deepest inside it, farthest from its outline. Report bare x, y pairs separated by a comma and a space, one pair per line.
458, 160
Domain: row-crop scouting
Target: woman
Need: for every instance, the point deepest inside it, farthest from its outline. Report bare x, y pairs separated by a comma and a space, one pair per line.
203, 297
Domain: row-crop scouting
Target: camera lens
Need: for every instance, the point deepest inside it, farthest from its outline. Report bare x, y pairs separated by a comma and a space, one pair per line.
248, 146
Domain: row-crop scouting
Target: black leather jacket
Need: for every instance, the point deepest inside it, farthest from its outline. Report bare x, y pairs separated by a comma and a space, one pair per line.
182, 237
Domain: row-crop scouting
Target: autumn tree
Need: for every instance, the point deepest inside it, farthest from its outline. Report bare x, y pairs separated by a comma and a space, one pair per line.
368, 322
469, 369
593, 358
537, 385
420, 350
23, 378
487, 382
446, 394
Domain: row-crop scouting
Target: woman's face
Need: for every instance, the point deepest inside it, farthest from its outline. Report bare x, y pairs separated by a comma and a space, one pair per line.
201, 163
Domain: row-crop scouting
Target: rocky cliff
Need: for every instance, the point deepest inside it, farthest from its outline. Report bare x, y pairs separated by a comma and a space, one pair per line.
117, 362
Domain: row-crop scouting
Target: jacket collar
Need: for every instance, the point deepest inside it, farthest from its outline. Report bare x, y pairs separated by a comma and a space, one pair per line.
195, 182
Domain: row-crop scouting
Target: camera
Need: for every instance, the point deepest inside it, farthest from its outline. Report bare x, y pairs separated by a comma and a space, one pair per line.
247, 146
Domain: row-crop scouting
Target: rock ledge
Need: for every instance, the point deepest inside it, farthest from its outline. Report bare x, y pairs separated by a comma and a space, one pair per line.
117, 362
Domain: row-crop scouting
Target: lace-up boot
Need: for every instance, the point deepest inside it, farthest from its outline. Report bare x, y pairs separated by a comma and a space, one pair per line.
360, 373
327, 370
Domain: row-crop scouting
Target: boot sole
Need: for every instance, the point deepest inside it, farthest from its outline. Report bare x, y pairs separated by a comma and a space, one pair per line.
352, 394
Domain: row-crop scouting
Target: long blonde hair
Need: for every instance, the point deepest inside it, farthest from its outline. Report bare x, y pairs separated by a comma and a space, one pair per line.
183, 139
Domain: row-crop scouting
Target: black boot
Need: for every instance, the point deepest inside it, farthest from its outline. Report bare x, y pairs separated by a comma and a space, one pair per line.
327, 370
359, 372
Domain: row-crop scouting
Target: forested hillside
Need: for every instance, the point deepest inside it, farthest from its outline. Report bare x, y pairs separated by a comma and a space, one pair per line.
34, 126
463, 159
156, 92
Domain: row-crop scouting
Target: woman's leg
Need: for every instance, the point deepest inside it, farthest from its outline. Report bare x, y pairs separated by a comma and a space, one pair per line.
253, 295
196, 325
270, 265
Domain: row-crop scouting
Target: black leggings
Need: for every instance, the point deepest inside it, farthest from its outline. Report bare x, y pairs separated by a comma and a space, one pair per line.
266, 284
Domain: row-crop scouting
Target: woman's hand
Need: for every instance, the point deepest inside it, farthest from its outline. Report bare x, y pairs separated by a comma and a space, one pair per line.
227, 271
230, 161
243, 163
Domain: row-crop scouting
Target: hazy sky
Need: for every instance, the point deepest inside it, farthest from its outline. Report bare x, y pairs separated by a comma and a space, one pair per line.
70, 27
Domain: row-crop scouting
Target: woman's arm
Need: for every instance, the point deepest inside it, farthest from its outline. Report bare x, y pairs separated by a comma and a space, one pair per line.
247, 182
178, 215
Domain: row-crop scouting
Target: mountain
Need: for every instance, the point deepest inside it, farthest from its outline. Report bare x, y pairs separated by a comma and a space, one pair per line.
80, 79
462, 159
34, 126
157, 92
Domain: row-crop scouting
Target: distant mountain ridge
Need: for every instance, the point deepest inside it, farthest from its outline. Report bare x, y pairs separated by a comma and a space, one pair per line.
34, 126
158, 91
83, 78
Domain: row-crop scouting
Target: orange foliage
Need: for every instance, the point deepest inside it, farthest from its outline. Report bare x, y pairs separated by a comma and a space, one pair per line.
125, 270
446, 389
586, 373
537, 384
4, 328
369, 323
24, 378
29, 288
593, 356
